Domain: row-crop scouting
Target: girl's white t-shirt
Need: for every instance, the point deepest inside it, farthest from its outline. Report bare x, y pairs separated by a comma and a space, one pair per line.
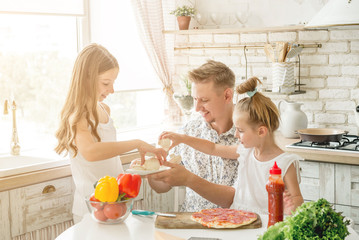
251, 193
86, 173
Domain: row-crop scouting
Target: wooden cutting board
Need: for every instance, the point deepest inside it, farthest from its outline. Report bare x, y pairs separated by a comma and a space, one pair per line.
183, 221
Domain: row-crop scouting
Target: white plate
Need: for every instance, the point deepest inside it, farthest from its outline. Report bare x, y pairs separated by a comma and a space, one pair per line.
146, 172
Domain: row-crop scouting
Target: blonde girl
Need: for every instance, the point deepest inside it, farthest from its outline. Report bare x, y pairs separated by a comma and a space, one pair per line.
86, 129
256, 118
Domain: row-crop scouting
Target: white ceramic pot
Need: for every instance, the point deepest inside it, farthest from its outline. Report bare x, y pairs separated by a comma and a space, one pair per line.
292, 118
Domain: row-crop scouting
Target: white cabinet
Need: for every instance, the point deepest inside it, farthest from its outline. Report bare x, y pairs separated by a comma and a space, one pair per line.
317, 181
347, 185
347, 191
40, 205
4, 216
338, 183
148, 199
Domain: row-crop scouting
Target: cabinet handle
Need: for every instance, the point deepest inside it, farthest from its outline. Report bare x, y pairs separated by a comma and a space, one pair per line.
48, 189
300, 169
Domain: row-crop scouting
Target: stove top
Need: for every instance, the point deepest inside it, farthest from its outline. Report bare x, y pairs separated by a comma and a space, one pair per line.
349, 143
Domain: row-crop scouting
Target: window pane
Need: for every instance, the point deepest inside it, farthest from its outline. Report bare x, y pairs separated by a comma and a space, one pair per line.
36, 59
136, 109
114, 27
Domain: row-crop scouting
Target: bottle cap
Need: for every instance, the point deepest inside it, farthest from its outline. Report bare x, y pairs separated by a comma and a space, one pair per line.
275, 169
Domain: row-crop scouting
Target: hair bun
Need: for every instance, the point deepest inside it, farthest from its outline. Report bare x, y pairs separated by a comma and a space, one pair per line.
248, 86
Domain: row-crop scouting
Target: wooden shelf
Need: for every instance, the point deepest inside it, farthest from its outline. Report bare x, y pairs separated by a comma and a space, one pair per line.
237, 30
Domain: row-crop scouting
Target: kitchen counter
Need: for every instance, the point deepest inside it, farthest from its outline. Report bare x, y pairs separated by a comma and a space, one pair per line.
137, 227
37, 176
51, 173
318, 155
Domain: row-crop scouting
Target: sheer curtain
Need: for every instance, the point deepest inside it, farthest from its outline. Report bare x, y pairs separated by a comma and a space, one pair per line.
150, 17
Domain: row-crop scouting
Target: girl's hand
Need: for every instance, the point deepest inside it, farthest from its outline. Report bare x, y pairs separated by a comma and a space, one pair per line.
175, 138
144, 148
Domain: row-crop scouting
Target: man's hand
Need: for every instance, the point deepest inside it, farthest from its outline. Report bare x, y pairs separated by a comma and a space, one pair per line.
178, 175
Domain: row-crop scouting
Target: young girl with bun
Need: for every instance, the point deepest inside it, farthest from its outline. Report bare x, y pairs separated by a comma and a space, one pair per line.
256, 118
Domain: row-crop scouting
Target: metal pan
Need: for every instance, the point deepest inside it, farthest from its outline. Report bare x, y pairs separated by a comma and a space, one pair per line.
321, 135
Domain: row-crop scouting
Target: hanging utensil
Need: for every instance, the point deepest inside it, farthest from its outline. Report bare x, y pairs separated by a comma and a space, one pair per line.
294, 51
278, 50
283, 51
268, 49
149, 213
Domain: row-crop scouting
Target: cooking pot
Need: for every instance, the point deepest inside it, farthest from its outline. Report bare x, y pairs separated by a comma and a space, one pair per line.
321, 135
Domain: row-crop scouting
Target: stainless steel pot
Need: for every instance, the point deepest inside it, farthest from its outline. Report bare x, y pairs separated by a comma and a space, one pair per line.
321, 135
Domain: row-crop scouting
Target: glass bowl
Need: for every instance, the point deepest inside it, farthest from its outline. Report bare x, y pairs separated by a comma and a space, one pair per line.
110, 212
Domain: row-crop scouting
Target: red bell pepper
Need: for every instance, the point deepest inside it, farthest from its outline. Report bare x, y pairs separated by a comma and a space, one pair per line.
129, 184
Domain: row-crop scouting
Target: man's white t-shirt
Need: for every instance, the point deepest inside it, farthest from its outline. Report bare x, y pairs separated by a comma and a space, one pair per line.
251, 193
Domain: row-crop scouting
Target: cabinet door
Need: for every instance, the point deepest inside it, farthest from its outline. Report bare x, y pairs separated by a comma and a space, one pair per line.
41, 205
351, 212
148, 199
159, 202
309, 185
4, 216
347, 185
317, 180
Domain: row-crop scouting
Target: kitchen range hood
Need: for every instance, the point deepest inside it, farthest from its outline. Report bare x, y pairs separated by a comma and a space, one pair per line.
336, 13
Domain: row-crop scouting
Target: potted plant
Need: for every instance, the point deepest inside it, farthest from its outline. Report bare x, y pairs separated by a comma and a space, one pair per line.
184, 99
184, 15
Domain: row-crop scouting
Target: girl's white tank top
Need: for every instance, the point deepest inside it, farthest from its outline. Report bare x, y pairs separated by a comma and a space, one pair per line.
86, 173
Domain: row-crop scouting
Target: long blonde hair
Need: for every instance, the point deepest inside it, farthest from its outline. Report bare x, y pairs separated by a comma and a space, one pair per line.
260, 108
81, 100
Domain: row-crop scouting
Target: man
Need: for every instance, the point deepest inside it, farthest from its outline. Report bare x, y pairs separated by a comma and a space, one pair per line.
213, 87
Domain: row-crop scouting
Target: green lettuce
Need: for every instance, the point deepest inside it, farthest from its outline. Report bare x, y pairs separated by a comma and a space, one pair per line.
312, 220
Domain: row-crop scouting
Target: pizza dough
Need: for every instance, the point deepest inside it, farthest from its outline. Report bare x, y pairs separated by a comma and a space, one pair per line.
151, 163
164, 143
177, 159
223, 217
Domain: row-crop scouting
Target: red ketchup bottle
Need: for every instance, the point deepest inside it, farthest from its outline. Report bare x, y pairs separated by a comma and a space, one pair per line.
275, 189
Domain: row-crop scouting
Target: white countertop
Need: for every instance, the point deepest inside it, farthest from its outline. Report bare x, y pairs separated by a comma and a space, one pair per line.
138, 228
30, 161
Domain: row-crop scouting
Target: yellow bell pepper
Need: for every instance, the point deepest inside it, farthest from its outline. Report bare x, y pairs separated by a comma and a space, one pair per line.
107, 189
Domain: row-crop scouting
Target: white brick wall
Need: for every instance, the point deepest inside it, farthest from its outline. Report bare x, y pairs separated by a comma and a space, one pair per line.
341, 82
334, 93
344, 34
331, 73
313, 82
314, 59
226, 38
350, 70
313, 36
331, 47
344, 59
201, 38
331, 118
253, 38
312, 106
324, 70
282, 37
339, 105
354, 46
